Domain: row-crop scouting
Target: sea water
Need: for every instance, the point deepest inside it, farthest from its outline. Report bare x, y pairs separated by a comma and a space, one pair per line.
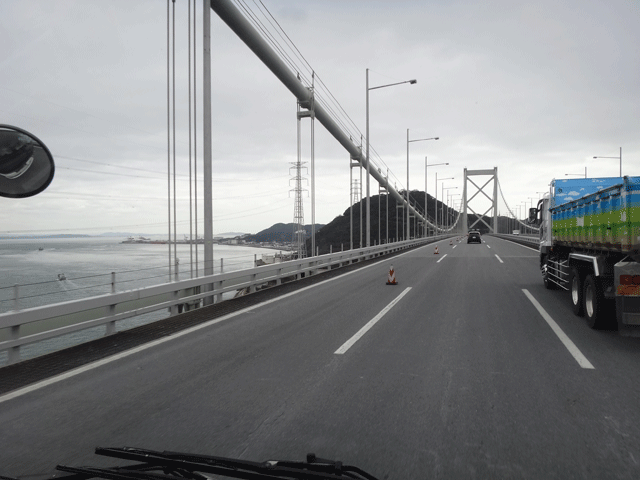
86, 264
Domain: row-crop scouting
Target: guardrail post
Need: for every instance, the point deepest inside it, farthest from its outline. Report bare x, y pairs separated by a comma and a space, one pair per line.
111, 326
252, 288
279, 280
218, 296
14, 352
330, 249
16, 297
255, 259
222, 265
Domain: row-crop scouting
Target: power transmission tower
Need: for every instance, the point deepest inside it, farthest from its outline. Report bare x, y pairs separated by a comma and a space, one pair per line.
356, 193
299, 233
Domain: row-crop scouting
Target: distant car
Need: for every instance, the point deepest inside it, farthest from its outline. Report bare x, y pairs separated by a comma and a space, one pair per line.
474, 237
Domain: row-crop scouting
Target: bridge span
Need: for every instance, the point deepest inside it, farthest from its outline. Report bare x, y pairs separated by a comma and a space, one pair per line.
468, 368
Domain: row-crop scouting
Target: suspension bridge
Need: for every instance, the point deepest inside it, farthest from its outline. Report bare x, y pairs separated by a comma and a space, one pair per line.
467, 367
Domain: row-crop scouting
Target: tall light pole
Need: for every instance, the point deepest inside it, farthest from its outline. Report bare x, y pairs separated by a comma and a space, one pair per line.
425, 187
620, 157
367, 153
577, 174
408, 142
442, 180
453, 202
443, 189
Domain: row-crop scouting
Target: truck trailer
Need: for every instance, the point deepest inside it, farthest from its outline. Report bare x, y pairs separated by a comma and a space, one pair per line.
590, 246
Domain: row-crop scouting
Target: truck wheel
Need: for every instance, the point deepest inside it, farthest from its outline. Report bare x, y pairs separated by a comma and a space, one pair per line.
575, 289
593, 302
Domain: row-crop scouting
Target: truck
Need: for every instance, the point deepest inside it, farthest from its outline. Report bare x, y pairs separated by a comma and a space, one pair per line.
590, 246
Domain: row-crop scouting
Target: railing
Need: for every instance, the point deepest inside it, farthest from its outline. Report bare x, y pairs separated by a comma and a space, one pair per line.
531, 241
22, 327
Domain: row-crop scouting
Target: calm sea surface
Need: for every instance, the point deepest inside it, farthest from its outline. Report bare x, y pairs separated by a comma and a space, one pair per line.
87, 263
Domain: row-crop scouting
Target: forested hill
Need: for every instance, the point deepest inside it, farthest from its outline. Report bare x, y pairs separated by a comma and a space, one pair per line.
336, 234
279, 232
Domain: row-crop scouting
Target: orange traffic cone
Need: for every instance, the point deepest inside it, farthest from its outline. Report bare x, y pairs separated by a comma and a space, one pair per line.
450, 242
391, 279
436, 252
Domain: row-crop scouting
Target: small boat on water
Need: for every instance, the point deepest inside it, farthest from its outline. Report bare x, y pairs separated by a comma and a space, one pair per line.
62, 276
41, 248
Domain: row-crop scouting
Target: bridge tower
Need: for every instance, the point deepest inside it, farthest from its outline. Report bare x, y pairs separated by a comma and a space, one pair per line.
306, 109
494, 201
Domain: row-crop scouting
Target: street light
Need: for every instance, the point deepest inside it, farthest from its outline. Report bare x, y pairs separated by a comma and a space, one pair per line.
425, 186
443, 189
442, 180
367, 154
577, 174
408, 142
620, 157
450, 196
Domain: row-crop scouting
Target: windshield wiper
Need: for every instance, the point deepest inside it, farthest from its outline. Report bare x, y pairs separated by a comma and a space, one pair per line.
173, 465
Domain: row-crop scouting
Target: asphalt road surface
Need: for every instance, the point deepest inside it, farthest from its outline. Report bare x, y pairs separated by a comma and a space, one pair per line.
468, 368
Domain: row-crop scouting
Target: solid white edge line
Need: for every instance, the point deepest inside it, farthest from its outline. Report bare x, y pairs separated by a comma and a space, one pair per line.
573, 350
498, 257
118, 356
349, 343
442, 258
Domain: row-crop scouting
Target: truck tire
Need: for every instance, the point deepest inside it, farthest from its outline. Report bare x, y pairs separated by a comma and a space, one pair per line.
576, 291
593, 299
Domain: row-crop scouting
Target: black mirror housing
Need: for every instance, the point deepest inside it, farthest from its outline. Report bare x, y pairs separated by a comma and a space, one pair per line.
26, 164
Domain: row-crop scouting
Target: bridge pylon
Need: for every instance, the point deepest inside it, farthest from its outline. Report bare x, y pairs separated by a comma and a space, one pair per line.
494, 201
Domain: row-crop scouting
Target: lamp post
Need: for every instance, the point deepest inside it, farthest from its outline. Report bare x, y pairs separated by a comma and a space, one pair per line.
442, 180
620, 157
408, 142
447, 220
425, 187
457, 205
577, 174
451, 195
367, 152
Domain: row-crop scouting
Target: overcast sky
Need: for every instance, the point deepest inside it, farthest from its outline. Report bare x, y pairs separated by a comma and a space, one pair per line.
534, 88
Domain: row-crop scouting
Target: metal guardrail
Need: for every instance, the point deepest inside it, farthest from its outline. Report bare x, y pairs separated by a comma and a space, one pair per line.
22, 327
531, 241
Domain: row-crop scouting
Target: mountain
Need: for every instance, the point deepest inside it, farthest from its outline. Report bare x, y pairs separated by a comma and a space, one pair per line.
336, 234
280, 232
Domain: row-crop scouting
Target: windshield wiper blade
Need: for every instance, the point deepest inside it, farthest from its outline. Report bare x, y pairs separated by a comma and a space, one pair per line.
175, 465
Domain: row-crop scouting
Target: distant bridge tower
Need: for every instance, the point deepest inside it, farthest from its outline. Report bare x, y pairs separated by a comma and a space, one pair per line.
494, 201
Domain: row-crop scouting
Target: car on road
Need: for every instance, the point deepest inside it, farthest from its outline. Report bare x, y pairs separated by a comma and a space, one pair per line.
474, 237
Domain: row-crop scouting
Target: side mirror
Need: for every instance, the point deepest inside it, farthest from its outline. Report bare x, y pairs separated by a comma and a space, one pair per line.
533, 215
26, 164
